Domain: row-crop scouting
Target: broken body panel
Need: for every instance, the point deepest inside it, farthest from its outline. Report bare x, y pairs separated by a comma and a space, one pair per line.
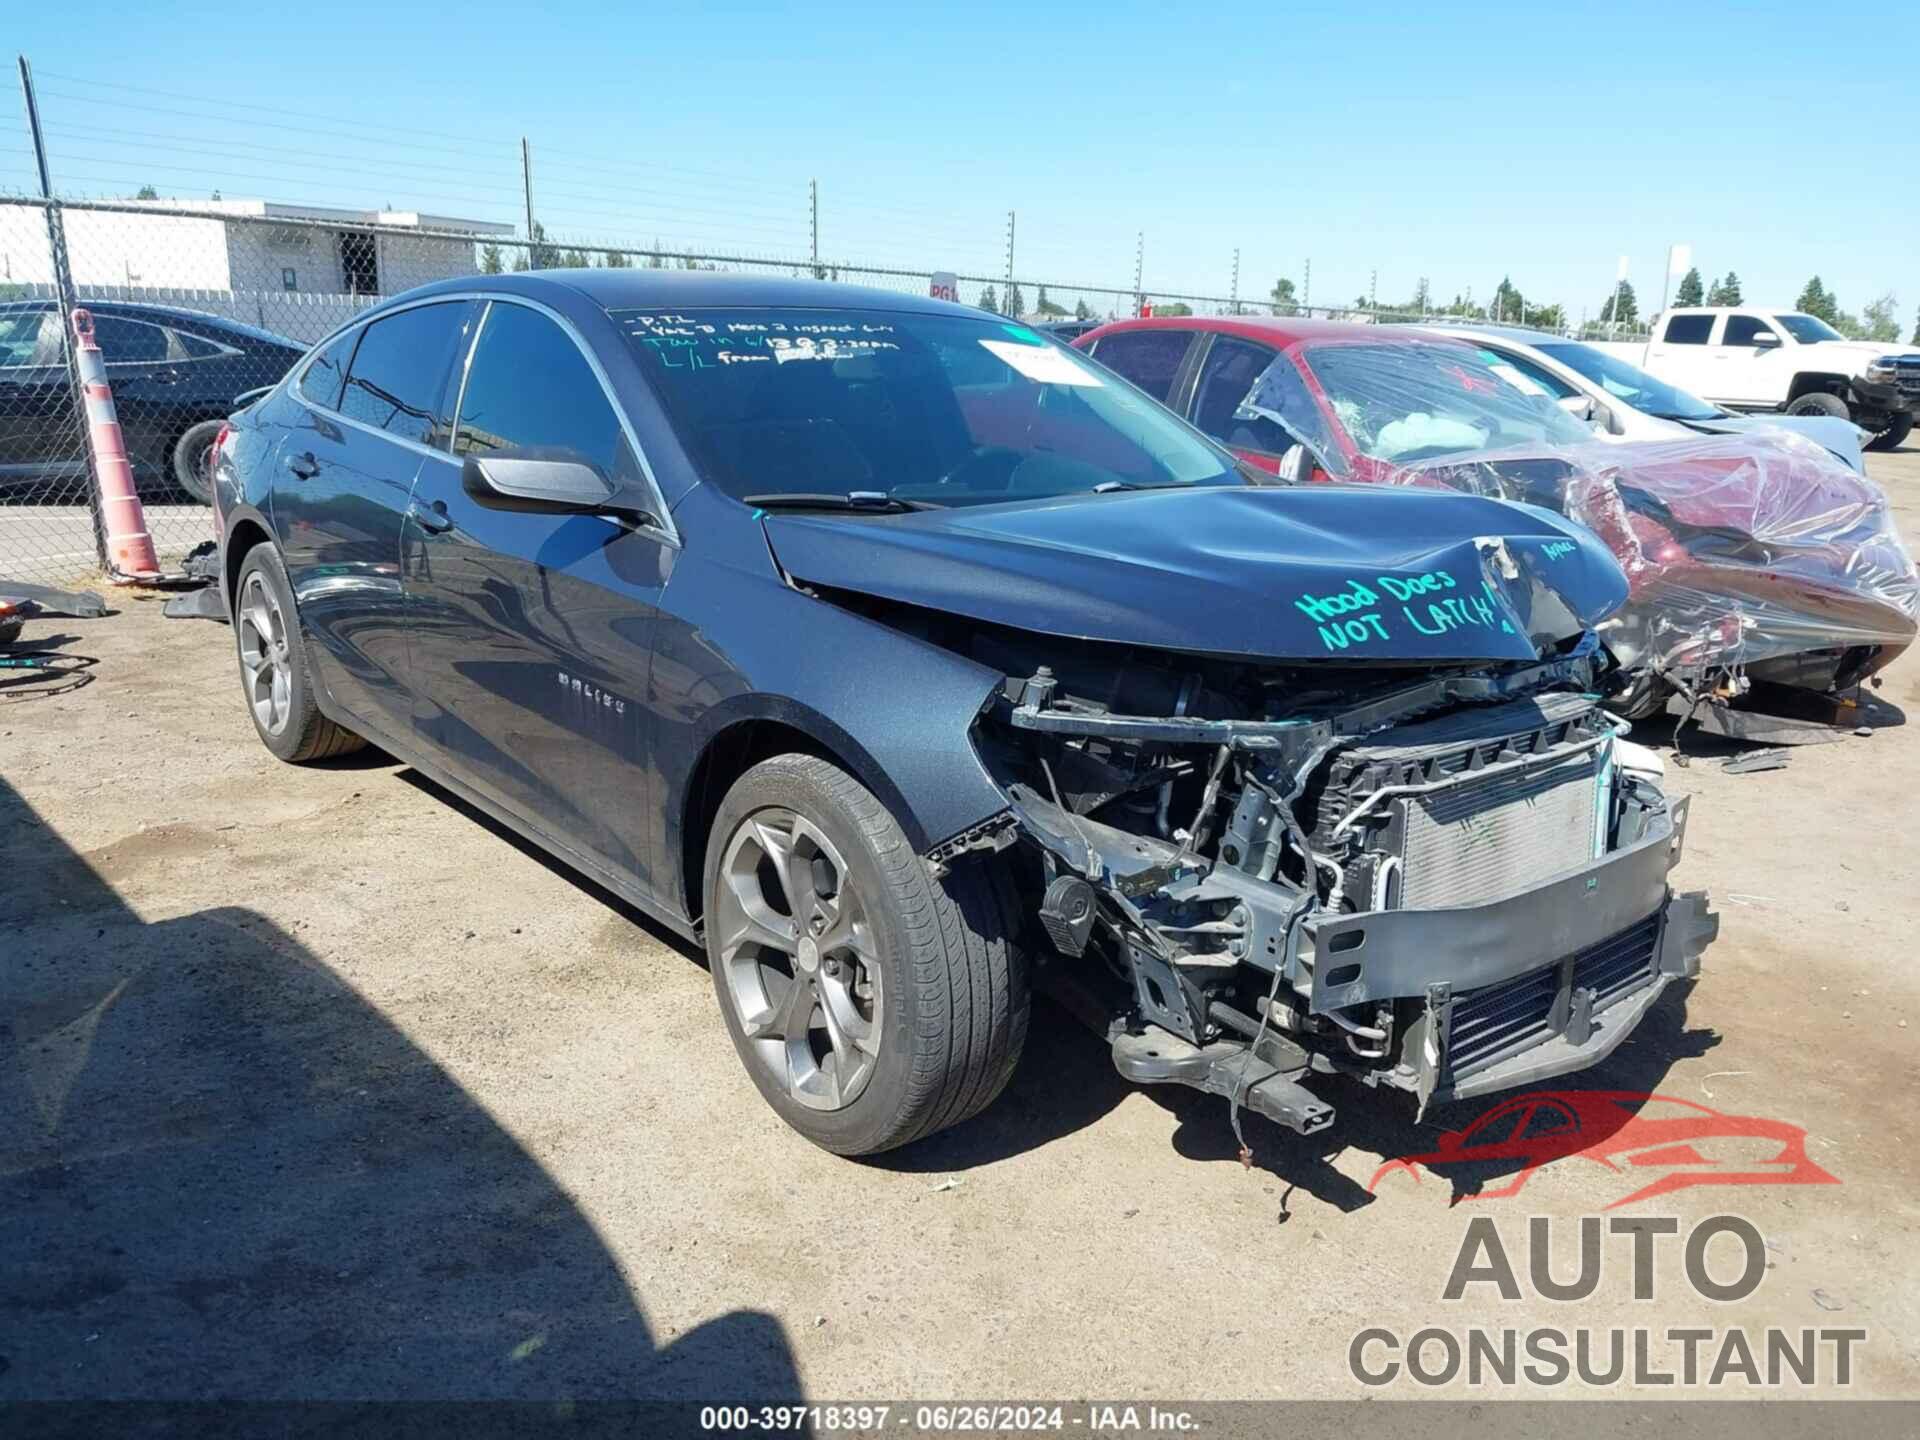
1272, 850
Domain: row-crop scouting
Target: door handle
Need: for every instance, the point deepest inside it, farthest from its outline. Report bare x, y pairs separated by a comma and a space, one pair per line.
303, 466
431, 518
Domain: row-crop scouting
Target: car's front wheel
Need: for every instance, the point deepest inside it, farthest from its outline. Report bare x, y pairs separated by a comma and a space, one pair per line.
1820, 402
1895, 435
871, 1003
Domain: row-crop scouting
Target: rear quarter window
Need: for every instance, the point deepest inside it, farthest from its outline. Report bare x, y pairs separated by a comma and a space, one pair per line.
326, 374
1689, 329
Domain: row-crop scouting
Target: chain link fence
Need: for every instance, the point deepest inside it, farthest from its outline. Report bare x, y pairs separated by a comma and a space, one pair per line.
198, 301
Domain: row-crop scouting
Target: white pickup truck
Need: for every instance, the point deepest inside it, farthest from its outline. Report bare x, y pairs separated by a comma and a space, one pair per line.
1757, 359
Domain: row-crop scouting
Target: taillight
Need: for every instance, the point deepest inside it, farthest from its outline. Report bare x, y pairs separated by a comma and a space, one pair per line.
214, 459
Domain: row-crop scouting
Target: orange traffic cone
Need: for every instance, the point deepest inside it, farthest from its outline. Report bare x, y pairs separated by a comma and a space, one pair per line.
130, 556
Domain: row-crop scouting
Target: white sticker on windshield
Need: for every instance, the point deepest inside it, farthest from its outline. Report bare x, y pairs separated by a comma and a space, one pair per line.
1043, 363
1526, 385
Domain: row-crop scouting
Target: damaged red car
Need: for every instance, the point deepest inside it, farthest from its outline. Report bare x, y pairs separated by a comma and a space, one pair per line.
1751, 558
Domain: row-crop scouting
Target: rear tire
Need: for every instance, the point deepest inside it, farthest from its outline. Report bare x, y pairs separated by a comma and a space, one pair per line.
871, 1003
1820, 402
191, 454
1895, 435
274, 675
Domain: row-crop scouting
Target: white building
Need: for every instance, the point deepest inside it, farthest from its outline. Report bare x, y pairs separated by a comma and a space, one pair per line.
295, 269
249, 245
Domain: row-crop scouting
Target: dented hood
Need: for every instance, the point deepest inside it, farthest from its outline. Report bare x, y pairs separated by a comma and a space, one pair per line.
1316, 572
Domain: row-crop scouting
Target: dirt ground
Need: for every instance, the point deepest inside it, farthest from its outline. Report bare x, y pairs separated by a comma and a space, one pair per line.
314, 1083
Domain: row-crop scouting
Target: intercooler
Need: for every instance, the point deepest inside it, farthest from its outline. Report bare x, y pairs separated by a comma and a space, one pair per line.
1476, 839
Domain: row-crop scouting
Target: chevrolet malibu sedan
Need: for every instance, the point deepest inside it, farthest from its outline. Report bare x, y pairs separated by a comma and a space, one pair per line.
900, 657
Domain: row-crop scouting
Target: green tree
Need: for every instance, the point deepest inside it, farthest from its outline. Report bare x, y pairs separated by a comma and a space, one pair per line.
1173, 307
1725, 292
1044, 306
617, 260
575, 260
1080, 310
1818, 301
147, 192
1628, 305
1508, 303
1016, 302
490, 261
1283, 297
1690, 291
989, 300
1916, 329
1878, 322
1547, 317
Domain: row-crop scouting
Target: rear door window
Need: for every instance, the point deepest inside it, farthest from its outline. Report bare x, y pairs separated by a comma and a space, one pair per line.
1689, 329
1226, 376
400, 370
530, 387
129, 342
1151, 359
326, 374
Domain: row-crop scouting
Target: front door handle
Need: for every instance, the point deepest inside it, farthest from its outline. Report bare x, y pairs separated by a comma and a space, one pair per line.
304, 466
433, 518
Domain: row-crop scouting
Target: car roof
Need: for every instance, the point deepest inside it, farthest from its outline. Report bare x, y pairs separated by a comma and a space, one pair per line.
1523, 335
1278, 330
644, 288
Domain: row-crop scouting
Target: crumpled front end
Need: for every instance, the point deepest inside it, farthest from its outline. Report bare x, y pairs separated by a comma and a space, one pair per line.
1447, 882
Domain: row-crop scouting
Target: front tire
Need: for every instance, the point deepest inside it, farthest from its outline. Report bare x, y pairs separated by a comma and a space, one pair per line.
1820, 402
872, 1004
1895, 435
274, 674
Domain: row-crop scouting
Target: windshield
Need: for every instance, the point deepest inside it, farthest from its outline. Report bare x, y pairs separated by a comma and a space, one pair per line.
1631, 385
939, 409
1808, 329
1414, 399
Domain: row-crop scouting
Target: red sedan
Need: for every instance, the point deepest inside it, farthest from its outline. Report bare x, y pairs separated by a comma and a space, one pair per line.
1746, 554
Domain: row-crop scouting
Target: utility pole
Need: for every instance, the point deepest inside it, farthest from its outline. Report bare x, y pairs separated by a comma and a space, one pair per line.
63, 289
813, 218
1306, 292
1007, 299
526, 183
1373, 289
1234, 294
1139, 258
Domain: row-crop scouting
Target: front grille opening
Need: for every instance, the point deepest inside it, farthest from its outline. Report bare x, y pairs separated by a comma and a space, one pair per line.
1497, 1021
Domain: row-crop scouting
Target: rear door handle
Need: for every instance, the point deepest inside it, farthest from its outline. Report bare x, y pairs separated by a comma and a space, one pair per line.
431, 518
304, 466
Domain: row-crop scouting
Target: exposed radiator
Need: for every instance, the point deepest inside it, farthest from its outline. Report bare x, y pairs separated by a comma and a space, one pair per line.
1478, 840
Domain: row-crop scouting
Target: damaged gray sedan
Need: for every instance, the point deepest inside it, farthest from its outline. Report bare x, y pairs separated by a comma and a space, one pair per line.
905, 659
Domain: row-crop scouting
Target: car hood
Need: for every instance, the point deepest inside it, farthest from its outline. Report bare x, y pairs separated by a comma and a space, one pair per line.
1839, 438
1316, 572
1860, 351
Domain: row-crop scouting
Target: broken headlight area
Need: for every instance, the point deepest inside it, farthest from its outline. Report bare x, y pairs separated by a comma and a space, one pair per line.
1448, 882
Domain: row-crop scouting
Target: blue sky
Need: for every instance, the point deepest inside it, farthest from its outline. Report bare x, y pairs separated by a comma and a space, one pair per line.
1528, 140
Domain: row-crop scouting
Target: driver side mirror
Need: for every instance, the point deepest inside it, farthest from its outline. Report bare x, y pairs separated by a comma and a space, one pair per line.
1580, 407
542, 481
1765, 339
1295, 465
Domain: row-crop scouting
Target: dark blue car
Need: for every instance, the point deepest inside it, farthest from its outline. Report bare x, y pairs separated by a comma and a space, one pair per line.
902, 656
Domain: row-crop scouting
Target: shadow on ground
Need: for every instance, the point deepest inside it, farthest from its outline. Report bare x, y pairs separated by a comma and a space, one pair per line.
224, 1174
1066, 1081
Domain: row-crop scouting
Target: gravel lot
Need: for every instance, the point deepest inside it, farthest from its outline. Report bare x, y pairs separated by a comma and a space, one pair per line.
316, 1084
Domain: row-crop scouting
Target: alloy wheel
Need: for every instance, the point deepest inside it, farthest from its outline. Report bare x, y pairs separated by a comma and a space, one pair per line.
266, 663
798, 959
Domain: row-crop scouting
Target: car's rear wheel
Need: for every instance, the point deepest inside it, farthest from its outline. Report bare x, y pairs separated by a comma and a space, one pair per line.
1820, 402
273, 665
871, 1003
193, 460
1895, 435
